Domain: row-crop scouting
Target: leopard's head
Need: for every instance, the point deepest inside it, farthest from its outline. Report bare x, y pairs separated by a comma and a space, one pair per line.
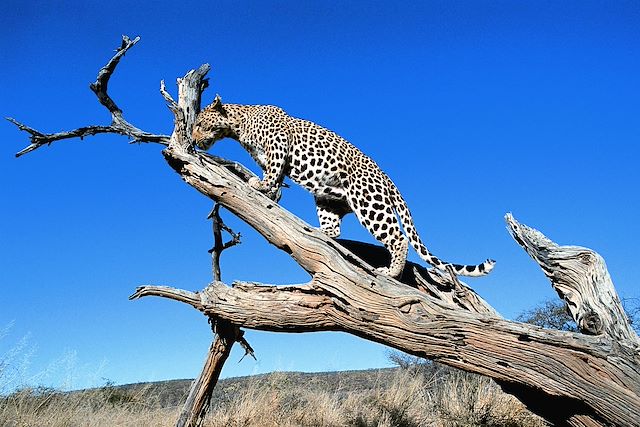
212, 124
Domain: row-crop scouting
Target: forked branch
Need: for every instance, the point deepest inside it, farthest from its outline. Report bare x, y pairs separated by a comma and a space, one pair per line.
118, 124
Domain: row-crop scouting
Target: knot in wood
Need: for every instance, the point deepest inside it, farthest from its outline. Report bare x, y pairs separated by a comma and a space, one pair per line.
586, 258
591, 323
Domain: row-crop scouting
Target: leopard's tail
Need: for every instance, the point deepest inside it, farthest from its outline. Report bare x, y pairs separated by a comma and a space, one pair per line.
410, 230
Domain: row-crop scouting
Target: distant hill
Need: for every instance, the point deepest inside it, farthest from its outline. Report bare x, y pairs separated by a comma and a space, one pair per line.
174, 392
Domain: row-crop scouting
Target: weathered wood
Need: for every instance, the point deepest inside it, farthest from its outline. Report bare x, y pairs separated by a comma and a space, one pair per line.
190, 89
118, 124
347, 294
590, 379
573, 373
580, 277
194, 408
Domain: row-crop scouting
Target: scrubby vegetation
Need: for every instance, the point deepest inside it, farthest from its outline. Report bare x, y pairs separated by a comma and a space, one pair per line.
107, 406
423, 395
419, 394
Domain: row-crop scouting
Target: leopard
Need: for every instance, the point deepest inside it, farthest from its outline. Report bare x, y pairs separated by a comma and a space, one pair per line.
341, 178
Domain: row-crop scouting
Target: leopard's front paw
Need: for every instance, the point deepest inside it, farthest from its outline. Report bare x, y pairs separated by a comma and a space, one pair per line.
271, 192
255, 183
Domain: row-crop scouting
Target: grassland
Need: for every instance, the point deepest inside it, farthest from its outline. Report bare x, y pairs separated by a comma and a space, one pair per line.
412, 395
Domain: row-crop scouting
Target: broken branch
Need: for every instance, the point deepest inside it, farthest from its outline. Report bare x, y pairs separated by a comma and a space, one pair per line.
580, 277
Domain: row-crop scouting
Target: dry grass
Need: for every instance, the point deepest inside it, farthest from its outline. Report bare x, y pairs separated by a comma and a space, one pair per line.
99, 407
405, 397
411, 398
464, 399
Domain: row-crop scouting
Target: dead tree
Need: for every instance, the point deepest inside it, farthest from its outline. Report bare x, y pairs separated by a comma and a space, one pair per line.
591, 378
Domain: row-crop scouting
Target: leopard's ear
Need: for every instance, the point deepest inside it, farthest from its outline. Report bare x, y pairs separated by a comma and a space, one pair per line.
217, 103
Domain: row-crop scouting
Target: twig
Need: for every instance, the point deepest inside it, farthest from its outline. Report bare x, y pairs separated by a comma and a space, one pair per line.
171, 103
218, 246
217, 249
248, 350
118, 124
99, 87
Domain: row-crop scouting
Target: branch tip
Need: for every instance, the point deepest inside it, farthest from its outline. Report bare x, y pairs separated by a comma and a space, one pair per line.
137, 294
171, 103
248, 350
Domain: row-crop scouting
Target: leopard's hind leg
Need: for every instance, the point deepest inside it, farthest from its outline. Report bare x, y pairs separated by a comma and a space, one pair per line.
330, 213
369, 199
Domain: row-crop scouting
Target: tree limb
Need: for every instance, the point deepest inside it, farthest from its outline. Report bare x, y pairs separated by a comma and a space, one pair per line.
560, 366
348, 295
118, 124
195, 407
99, 87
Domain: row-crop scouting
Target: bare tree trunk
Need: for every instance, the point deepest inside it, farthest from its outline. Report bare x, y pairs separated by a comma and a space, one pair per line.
590, 378
194, 408
226, 334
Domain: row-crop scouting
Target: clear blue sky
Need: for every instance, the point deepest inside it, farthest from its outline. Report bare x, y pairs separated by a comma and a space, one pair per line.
474, 109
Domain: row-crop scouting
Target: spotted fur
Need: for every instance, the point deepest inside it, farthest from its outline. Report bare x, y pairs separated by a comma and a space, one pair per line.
341, 178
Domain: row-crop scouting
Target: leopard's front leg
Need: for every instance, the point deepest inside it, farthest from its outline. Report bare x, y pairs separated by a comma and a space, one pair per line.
276, 153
